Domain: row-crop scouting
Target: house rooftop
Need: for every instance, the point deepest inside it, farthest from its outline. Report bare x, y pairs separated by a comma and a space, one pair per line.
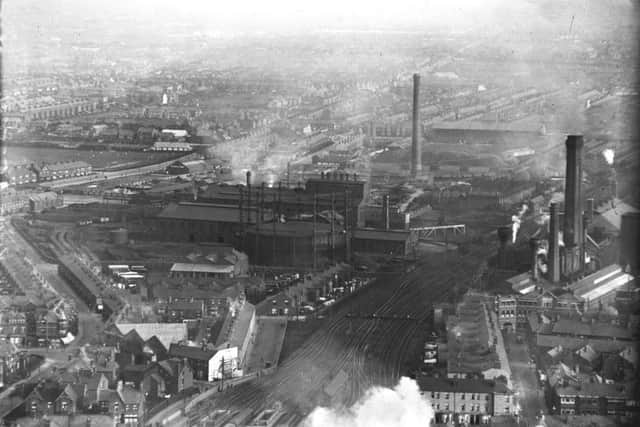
458, 385
191, 352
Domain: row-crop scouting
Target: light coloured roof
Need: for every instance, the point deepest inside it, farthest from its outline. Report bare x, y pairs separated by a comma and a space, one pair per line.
167, 333
181, 267
522, 283
601, 282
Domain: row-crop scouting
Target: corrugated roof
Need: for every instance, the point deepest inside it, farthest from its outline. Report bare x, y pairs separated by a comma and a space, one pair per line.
601, 282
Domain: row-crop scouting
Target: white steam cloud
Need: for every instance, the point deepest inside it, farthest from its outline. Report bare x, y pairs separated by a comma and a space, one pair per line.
402, 406
515, 223
609, 155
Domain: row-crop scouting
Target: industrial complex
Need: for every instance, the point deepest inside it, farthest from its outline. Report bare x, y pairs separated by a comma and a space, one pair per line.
267, 230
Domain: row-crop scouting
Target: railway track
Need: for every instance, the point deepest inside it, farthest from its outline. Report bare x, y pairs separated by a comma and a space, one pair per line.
371, 351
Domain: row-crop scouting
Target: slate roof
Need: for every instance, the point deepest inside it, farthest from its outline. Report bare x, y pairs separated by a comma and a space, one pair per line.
190, 352
451, 385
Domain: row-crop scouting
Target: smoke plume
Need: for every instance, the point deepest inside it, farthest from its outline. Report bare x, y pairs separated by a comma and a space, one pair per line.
402, 406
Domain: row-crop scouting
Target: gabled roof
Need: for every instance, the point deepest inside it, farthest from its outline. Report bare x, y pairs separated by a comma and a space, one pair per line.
167, 333
155, 346
601, 282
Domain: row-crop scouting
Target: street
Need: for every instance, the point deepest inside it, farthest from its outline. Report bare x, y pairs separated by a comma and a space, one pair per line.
525, 383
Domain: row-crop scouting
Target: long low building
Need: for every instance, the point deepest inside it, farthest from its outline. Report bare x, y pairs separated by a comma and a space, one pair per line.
181, 269
204, 222
380, 241
467, 400
600, 288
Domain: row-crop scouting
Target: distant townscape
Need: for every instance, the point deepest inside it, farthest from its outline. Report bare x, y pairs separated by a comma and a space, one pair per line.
261, 229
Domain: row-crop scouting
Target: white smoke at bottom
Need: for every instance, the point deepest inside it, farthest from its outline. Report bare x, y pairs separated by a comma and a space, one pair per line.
402, 406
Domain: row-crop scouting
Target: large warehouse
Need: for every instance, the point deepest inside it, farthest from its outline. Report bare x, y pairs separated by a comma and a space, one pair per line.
202, 222
479, 132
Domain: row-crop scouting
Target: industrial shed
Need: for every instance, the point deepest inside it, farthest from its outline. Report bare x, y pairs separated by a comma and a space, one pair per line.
383, 242
601, 287
198, 222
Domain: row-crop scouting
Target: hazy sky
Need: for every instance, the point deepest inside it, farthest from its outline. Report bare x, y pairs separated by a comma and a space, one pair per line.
269, 15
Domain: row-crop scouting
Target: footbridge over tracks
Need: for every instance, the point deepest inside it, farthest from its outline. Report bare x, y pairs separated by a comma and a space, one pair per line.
439, 233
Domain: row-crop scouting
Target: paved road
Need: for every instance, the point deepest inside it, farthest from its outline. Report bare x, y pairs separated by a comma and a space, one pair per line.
525, 382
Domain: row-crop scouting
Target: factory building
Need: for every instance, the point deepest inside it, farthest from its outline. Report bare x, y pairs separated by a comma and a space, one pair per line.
329, 192
570, 283
202, 222
388, 242
477, 132
599, 289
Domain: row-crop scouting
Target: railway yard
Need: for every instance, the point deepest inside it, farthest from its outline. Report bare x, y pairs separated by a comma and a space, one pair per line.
352, 353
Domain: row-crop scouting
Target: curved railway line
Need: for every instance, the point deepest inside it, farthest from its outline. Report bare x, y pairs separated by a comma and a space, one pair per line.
371, 351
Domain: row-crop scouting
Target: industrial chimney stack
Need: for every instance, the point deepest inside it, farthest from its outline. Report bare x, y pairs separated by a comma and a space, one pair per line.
416, 148
553, 256
573, 209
